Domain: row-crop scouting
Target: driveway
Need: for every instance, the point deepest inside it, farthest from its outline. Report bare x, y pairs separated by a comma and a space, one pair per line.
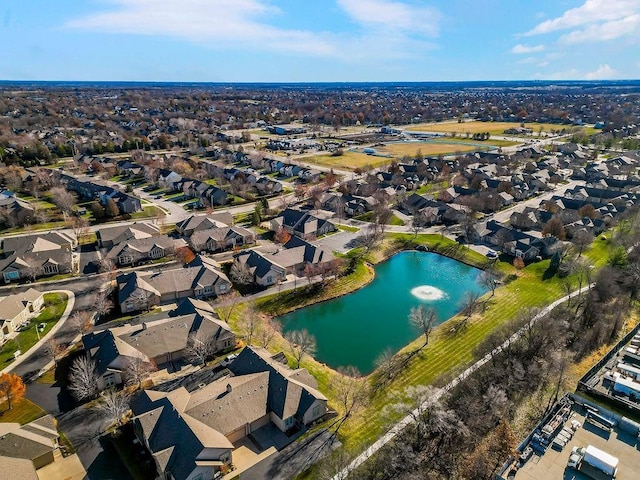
340, 242
83, 426
294, 459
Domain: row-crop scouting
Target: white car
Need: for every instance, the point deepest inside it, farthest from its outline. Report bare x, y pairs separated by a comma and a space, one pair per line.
229, 359
492, 254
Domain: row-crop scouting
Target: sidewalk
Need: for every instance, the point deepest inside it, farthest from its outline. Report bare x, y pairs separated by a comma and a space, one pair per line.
71, 299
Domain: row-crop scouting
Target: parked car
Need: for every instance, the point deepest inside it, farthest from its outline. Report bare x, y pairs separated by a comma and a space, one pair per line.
492, 254
229, 359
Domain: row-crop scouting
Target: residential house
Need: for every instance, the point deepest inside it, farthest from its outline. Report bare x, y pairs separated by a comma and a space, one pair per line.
191, 434
201, 278
15, 212
142, 250
17, 309
302, 224
110, 236
300, 257
263, 268
24, 449
196, 223
221, 239
33, 256
162, 340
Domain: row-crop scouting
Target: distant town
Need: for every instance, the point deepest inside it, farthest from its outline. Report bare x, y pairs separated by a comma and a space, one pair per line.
320, 281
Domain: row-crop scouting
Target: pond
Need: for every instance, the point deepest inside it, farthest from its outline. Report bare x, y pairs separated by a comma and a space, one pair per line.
356, 328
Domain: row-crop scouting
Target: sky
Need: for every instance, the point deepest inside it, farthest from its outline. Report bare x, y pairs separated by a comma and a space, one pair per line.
319, 40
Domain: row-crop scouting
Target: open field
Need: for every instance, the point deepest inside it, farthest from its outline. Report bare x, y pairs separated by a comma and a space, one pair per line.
401, 149
351, 160
494, 128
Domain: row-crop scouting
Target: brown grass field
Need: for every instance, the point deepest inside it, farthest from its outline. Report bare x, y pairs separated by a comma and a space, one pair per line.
494, 128
351, 160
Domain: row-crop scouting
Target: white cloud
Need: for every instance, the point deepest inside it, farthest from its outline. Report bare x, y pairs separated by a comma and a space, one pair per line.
394, 30
603, 72
591, 11
220, 23
527, 60
606, 31
524, 49
396, 15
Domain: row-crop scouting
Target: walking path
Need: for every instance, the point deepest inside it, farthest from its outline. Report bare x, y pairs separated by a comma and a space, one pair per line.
63, 318
398, 427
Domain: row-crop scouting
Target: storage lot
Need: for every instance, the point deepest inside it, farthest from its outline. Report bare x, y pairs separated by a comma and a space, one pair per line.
553, 464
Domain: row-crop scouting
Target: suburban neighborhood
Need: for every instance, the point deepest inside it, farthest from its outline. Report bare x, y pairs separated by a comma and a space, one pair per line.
178, 265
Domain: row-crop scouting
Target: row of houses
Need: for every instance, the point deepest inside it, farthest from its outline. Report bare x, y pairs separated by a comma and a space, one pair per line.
91, 188
163, 341
297, 257
191, 434
200, 278
205, 193
33, 256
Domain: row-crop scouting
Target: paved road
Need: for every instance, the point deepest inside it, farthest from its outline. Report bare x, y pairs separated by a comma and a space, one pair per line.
409, 419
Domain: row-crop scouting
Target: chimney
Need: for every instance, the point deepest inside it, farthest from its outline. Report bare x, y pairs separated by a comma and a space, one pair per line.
229, 388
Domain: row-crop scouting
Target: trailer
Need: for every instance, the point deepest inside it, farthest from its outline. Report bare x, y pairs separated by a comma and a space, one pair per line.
593, 462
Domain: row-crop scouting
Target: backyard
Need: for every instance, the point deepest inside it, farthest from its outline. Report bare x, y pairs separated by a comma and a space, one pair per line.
55, 304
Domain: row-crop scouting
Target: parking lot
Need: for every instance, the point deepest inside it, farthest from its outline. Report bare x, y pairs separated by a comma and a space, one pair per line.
553, 463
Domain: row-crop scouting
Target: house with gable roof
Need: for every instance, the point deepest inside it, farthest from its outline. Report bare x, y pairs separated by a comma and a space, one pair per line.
192, 434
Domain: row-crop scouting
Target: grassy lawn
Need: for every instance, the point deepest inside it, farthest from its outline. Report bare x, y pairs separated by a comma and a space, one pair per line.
494, 128
36, 227
347, 161
55, 303
399, 150
432, 187
368, 217
348, 228
449, 351
148, 212
23, 411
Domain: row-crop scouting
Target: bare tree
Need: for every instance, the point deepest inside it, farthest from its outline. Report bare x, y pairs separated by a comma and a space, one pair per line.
240, 273
137, 370
226, 305
469, 305
249, 323
200, 347
423, 318
83, 379
386, 363
301, 342
103, 304
350, 392
266, 331
80, 226
113, 405
581, 240
53, 350
63, 199
80, 322
489, 279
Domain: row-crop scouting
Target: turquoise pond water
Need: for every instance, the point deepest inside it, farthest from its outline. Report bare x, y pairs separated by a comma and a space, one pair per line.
355, 329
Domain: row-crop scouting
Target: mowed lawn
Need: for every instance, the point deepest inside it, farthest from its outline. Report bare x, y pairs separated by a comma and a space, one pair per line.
399, 150
494, 128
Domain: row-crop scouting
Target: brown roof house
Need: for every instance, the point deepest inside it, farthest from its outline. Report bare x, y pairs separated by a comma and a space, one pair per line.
201, 278
27, 448
192, 433
108, 237
141, 250
33, 256
162, 340
15, 310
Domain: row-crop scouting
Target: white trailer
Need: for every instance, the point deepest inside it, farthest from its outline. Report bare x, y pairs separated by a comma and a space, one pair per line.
603, 461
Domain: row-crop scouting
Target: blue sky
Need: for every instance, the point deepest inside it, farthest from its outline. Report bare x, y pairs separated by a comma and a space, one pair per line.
319, 40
